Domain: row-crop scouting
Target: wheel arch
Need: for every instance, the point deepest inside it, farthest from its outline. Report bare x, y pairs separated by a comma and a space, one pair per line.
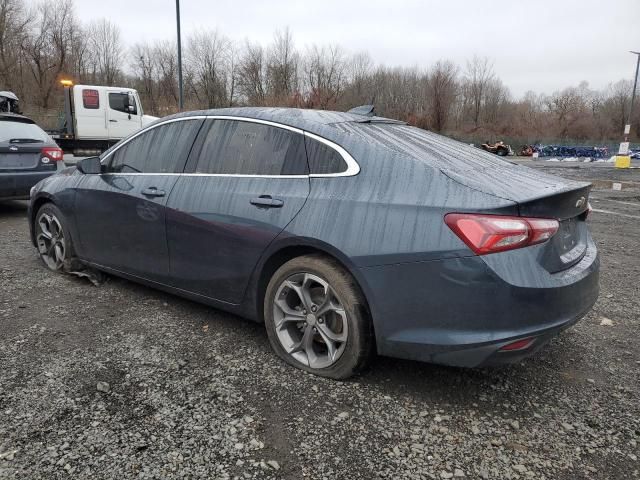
39, 201
284, 251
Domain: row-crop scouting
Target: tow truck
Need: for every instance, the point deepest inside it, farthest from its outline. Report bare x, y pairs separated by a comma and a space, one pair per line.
97, 117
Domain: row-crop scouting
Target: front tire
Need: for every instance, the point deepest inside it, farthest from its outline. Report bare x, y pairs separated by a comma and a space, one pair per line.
52, 237
316, 318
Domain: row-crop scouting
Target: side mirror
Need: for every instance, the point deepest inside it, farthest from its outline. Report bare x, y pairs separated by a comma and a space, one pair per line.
91, 166
131, 103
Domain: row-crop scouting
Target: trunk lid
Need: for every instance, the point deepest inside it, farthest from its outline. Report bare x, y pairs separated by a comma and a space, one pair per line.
22, 157
539, 195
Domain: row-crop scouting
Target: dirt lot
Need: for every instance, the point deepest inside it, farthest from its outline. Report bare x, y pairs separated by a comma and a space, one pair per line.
193, 392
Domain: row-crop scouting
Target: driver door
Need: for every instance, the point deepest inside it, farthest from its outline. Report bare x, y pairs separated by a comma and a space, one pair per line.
122, 113
121, 213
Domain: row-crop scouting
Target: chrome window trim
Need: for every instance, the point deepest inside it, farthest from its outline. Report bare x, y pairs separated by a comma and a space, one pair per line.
118, 145
238, 175
353, 168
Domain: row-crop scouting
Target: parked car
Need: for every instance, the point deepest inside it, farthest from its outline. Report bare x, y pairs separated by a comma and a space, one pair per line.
27, 155
345, 234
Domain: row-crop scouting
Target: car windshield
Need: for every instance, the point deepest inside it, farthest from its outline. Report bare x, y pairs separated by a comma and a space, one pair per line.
21, 132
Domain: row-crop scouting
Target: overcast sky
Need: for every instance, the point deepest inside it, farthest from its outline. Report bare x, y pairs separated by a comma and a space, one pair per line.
539, 45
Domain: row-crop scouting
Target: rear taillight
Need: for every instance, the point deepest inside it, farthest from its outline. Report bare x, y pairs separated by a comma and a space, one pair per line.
51, 153
496, 233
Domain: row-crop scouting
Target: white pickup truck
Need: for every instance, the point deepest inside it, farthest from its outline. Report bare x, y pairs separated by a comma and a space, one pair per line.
97, 117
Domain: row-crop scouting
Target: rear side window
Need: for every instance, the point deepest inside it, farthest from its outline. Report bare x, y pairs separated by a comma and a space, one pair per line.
323, 159
118, 101
244, 148
90, 99
162, 149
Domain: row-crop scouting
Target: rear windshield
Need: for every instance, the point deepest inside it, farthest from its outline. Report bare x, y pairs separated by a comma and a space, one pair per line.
10, 130
425, 146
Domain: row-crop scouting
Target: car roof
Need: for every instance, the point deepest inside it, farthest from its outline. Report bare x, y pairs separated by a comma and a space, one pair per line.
15, 117
294, 117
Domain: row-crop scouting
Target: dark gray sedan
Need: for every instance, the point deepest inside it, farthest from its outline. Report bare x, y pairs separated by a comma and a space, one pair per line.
27, 155
346, 234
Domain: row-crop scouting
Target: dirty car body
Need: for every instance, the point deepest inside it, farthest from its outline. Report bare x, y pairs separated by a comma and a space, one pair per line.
382, 215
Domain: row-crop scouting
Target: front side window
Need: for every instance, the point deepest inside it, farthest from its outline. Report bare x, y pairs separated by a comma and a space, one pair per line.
323, 159
247, 148
162, 149
120, 101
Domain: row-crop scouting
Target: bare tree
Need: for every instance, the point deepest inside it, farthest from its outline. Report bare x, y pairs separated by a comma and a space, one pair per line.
441, 93
80, 59
478, 76
144, 65
48, 45
167, 67
325, 75
496, 96
617, 103
565, 105
232, 71
207, 61
252, 74
358, 88
13, 27
106, 50
282, 67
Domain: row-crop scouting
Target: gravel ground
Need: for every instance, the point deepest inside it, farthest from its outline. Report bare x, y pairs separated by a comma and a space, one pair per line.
121, 381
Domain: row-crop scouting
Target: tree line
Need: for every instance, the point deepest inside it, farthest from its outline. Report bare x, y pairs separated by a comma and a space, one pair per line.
44, 42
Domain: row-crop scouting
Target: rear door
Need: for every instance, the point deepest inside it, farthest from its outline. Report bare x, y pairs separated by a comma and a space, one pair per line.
90, 111
245, 181
122, 121
121, 213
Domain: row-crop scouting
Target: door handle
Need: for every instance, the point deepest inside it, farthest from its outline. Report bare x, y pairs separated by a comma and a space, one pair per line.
265, 201
153, 192
114, 121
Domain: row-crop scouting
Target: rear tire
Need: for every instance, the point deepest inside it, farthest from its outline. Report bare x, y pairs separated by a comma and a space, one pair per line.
316, 318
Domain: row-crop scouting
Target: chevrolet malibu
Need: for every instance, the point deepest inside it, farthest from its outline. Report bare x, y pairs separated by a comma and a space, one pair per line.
347, 234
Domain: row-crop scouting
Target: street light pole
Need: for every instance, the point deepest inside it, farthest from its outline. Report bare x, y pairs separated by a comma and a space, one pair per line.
633, 94
180, 92
623, 160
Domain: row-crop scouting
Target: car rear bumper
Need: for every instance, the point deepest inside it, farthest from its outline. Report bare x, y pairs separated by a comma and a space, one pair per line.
16, 185
463, 311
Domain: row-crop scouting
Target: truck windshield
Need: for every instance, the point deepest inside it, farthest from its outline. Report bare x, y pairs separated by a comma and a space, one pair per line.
21, 132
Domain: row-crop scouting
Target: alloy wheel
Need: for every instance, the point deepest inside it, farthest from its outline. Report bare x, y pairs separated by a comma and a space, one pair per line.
310, 322
51, 242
